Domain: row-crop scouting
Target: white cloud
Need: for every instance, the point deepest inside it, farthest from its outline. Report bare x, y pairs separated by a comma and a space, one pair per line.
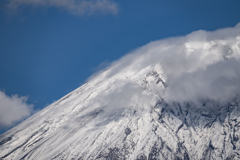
219, 82
199, 66
76, 7
13, 109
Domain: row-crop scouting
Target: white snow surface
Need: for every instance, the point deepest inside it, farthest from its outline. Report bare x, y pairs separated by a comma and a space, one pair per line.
135, 109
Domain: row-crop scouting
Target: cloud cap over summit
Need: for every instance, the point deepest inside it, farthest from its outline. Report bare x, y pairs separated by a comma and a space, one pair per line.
201, 65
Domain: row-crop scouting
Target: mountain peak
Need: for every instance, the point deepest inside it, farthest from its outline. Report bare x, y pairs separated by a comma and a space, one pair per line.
170, 99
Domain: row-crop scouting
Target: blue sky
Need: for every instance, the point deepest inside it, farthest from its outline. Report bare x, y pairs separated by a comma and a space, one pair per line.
49, 49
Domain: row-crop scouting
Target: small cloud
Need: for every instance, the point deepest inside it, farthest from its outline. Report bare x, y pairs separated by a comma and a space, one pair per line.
76, 7
13, 109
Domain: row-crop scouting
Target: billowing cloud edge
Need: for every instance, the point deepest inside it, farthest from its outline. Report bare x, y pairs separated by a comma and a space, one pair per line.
13, 109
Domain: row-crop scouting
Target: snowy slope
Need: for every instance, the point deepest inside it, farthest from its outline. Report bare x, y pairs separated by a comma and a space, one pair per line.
126, 112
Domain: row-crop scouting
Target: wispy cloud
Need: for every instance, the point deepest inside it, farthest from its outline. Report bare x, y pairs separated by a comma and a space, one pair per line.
76, 7
13, 109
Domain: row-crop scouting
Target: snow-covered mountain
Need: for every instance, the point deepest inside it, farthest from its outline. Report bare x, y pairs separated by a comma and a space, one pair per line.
171, 99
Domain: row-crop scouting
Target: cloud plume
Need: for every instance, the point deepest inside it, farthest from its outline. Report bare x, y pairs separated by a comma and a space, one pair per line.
76, 7
13, 109
200, 66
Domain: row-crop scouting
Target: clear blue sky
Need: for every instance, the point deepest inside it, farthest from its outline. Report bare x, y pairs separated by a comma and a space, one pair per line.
46, 51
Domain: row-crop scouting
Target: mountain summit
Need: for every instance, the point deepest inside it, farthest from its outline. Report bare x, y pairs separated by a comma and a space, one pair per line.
176, 98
